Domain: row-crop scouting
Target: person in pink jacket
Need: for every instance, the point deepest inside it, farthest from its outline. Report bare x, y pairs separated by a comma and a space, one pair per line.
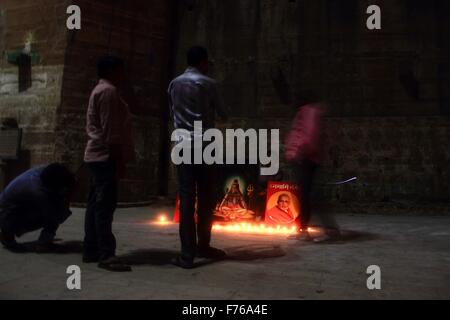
303, 148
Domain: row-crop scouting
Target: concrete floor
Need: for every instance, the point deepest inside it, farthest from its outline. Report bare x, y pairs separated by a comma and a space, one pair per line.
412, 252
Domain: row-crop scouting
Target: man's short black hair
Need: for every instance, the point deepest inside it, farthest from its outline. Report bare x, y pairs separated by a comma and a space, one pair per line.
56, 177
107, 64
196, 55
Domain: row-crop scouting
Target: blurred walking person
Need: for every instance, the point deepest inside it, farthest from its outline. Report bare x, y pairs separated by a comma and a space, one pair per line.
303, 148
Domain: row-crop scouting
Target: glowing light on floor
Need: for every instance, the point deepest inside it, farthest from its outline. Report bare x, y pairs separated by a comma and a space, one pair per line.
162, 220
240, 228
253, 228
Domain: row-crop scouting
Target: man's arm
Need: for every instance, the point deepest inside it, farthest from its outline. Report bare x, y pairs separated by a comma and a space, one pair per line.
169, 98
110, 120
55, 214
296, 141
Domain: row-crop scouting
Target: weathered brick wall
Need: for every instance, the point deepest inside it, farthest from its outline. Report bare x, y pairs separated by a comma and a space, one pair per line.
387, 90
35, 108
137, 31
52, 111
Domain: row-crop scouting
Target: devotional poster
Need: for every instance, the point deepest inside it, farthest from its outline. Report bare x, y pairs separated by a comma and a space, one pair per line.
239, 194
283, 203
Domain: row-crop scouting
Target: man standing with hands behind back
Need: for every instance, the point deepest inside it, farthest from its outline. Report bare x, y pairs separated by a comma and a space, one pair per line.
193, 96
109, 147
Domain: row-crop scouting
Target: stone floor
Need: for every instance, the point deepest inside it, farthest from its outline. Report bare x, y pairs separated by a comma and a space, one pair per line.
412, 252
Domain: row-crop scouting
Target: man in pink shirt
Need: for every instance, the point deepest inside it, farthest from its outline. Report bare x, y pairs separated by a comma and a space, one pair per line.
303, 149
109, 148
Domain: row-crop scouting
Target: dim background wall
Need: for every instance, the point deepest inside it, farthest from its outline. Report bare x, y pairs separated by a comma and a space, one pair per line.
35, 108
52, 112
387, 91
137, 31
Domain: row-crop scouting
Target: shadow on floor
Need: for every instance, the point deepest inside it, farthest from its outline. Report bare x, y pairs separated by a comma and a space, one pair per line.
161, 257
59, 247
158, 257
149, 256
358, 236
347, 236
254, 252
351, 236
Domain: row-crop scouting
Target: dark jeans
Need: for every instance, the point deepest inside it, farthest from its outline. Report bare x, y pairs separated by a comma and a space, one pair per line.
16, 222
8, 226
99, 240
195, 181
305, 173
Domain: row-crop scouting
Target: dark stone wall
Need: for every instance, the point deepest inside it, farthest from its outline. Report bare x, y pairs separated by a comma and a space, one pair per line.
387, 91
137, 31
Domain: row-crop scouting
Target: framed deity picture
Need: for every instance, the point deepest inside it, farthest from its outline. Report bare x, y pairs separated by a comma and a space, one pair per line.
239, 194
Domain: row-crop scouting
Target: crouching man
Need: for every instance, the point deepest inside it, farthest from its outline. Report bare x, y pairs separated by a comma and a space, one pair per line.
37, 199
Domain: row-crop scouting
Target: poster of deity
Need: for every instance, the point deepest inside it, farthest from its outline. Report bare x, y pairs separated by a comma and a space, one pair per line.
238, 198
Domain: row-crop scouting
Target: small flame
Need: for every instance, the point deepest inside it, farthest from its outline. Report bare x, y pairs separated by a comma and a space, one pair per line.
162, 219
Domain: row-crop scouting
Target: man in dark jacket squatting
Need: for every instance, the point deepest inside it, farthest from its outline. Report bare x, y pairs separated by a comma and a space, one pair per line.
36, 199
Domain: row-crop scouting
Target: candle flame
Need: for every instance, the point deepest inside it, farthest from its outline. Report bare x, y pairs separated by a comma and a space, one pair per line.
162, 219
